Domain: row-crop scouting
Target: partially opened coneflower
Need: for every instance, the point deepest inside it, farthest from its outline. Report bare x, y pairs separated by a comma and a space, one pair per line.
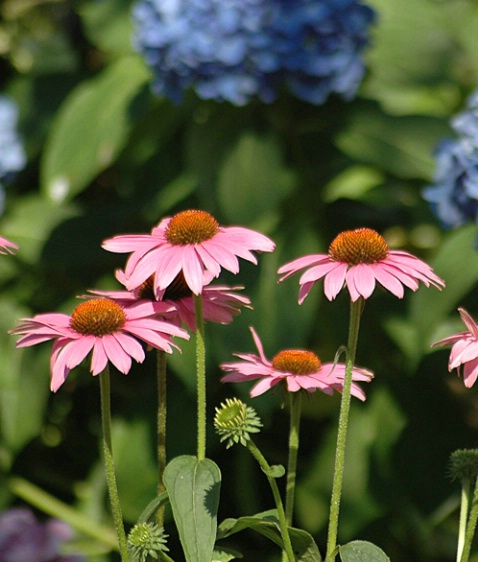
190, 242
358, 259
7, 247
101, 326
220, 303
464, 351
298, 369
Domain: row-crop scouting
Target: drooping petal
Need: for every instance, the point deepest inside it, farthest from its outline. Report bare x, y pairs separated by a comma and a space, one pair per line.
469, 322
470, 373
193, 269
116, 354
334, 281
360, 281
264, 385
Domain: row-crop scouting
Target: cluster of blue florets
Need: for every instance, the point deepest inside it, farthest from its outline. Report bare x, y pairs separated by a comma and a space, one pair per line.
237, 50
12, 154
454, 193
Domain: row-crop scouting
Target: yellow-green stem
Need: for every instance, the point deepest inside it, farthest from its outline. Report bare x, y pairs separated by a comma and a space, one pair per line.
201, 378
109, 463
162, 412
277, 499
295, 411
355, 313
471, 526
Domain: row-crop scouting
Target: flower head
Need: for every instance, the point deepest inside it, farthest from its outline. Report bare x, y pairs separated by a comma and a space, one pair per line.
454, 193
296, 368
112, 332
359, 258
464, 351
220, 303
243, 49
192, 243
24, 539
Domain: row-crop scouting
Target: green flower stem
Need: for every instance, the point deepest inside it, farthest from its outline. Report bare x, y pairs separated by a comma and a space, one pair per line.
295, 411
355, 313
464, 509
201, 377
278, 501
109, 463
471, 526
162, 412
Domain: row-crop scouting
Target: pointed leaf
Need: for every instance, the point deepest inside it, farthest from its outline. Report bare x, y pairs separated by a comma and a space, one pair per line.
275, 471
193, 488
91, 128
362, 551
267, 524
222, 554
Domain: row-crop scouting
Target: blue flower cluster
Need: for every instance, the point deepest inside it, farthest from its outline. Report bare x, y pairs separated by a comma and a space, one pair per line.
235, 50
12, 155
24, 539
454, 193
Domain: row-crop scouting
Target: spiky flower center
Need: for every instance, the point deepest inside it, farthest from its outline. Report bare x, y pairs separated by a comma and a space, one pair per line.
362, 245
234, 421
98, 317
296, 361
177, 290
191, 227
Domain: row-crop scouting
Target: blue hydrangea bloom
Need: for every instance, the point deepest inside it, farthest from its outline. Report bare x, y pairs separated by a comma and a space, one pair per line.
454, 193
12, 155
236, 50
24, 539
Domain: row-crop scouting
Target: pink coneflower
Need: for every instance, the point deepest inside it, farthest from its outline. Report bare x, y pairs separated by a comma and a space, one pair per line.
297, 368
102, 326
220, 303
190, 242
464, 349
359, 258
7, 247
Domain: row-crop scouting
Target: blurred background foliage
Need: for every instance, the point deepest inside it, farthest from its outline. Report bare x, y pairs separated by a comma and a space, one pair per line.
105, 156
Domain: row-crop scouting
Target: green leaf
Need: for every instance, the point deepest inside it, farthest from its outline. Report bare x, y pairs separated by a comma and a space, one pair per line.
362, 551
24, 386
108, 25
401, 145
133, 456
252, 180
267, 524
222, 554
275, 471
91, 128
193, 487
152, 507
428, 307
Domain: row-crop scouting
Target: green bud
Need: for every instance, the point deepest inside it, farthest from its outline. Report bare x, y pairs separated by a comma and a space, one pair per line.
146, 539
464, 464
234, 421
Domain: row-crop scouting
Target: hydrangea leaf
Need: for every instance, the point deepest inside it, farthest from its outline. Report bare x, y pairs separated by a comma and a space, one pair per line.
402, 146
252, 179
193, 488
429, 309
362, 551
108, 25
91, 128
